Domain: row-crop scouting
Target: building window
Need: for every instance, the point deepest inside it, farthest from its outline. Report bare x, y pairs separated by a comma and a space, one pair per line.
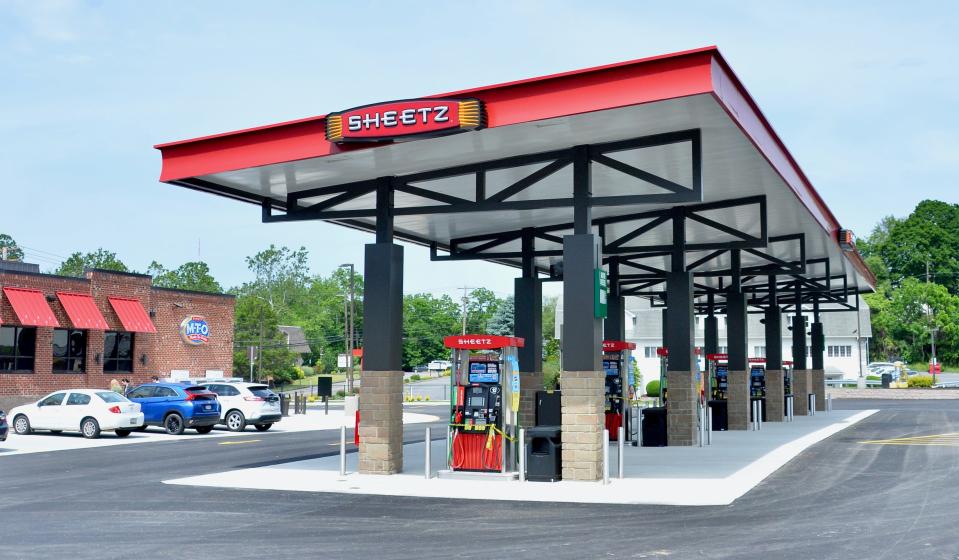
118, 352
759, 351
723, 350
649, 351
844, 351
697, 320
69, 350
17, 348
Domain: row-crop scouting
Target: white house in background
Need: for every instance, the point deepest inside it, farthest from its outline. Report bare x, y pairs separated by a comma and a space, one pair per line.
846, 349
296, 341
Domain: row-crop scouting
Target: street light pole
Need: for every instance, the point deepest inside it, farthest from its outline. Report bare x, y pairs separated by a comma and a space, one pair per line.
350, 326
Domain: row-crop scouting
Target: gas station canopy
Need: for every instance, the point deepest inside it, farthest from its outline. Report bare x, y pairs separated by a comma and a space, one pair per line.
666, 136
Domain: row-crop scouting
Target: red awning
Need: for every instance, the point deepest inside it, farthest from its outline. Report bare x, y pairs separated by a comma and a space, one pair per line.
83, 311
31, 307
132, 315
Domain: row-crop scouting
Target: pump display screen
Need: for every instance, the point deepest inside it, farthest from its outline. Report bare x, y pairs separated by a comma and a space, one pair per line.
722, 371
484, 372
756, 372
477, 402
611, 367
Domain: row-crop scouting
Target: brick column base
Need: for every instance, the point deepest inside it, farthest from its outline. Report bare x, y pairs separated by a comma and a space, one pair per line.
682, 398
737, 399
583, 411
529, 384
775, 395
802, 386
818, 380
381, 422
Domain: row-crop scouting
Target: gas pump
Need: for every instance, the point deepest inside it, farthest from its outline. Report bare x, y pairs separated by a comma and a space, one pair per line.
717, 366
654, 418
484, 385
616, 361
757, 384
787, 383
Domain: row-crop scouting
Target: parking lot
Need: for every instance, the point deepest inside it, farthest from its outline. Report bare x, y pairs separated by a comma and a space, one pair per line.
841, 498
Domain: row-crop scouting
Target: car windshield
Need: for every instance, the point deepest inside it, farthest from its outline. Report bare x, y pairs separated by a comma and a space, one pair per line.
110, 396
261, 391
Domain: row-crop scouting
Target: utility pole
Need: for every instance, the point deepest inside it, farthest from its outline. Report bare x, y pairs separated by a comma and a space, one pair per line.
252, 357
349, 326
259, 359
466, 290
932, 331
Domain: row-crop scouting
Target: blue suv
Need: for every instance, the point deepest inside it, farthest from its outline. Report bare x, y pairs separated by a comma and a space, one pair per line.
176, 407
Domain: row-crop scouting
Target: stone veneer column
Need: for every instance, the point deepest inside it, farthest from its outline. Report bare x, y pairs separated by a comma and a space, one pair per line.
737, 400
381, 422
802, 386
529, 384
583, 412
682, 396
818, 381
775, 395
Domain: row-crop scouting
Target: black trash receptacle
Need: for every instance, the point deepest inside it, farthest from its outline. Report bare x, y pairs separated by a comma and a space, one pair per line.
886, 380
548, 409
720, 410
285, 405
654, 426
544, 461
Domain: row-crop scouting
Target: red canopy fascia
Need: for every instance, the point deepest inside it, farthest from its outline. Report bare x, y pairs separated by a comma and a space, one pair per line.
132, 315
617, 345
31, 307
83, 311
646, 80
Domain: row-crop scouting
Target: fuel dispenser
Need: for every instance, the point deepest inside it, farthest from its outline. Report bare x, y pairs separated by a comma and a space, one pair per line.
787, 383
717, 366
757, 384
654, 418
484, 385
616, 363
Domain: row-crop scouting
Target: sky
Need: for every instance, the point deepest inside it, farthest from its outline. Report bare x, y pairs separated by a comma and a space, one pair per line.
862, 93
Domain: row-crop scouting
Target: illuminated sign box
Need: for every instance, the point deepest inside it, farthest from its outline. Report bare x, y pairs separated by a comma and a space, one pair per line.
407, 119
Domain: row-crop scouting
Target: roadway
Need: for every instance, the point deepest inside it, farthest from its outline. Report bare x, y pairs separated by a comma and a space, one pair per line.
839, 499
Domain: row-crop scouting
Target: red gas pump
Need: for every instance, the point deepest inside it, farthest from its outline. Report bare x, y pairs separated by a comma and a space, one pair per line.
616, 356
484, 384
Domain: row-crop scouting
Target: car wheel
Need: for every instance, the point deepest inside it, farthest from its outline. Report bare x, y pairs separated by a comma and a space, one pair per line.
263, 427
235, 421
90, 428
122, 433
21, 425
204, 429
173, 424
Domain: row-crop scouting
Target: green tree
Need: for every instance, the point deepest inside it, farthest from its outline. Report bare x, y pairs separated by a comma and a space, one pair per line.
193, 275
78, 262
426, 321
928, 237
906, 318
502, 322
481, 304
281, 276
14, 252
257, 325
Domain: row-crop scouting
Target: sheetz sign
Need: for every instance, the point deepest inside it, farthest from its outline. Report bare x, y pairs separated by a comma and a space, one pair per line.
396, 120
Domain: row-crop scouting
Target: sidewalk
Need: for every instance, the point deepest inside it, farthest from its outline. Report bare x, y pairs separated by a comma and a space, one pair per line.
713, 475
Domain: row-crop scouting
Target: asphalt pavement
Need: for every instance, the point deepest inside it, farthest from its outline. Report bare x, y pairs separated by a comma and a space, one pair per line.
839, 499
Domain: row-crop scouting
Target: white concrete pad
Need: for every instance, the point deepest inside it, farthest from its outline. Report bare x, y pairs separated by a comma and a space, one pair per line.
714, 475
41, 442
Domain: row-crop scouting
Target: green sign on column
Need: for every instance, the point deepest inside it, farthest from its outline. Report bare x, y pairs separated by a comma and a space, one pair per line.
600, 290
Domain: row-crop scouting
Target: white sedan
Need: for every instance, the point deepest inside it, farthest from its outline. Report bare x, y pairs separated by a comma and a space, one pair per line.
88, 411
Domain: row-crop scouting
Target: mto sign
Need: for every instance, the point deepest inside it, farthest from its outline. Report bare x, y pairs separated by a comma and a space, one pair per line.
194, 330
407, 119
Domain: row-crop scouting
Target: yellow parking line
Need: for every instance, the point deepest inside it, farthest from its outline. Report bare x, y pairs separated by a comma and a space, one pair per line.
239, 442
947, 440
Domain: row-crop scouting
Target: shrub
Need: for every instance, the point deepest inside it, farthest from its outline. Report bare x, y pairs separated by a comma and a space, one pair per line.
340, 394
298, 373
415, 377
446, 372
311, 398
652, 388
308, 371
873, 378
426, 398
920, 381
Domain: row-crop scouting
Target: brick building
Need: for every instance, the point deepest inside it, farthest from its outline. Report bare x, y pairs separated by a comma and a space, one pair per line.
60, 332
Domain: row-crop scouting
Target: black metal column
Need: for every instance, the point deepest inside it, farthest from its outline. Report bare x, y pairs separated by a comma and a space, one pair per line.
774, 329
383, 291
614, 327
582, 331
711, 330
817, 340
737, 336
799, 333
678, 320
528, 314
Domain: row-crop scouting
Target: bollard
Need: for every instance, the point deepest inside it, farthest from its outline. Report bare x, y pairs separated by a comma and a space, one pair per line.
605, 456
326, 406
812, 404
522, 455
342, 450
621, 444
829, 403
709, 426
428, 460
